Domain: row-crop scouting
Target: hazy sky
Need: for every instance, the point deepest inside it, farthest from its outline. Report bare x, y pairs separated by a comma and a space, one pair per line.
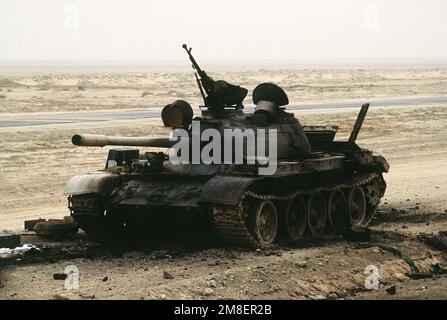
222, 29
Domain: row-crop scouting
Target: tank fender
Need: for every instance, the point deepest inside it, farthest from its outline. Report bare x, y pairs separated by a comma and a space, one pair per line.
225, 189
381, 163
100, 183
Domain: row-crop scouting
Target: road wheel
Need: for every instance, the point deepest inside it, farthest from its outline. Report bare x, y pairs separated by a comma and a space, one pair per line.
356, 206
295, 218
316, 214
338, 214
266, 222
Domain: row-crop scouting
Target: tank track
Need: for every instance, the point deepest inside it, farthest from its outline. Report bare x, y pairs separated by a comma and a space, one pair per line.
230, 222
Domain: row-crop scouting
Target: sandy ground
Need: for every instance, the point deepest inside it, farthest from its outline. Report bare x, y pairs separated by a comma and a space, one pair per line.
36, 162
61, 90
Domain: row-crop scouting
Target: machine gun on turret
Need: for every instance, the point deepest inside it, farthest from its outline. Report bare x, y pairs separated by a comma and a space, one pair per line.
217, 95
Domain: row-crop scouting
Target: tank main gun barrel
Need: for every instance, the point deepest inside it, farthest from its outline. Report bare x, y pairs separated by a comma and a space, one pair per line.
100, 140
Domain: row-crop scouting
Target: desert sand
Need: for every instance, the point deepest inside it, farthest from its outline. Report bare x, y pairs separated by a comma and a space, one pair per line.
59, 89
36, 162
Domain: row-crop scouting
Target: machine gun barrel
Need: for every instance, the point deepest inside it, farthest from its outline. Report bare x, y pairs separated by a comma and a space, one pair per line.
193, 61
205, 81
99, 140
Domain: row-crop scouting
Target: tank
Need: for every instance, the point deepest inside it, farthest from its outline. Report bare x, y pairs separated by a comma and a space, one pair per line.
302, 183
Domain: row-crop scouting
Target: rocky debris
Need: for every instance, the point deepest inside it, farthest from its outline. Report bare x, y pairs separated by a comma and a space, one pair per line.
167, 275
7, 256
59, 297
357, 233
332, 296
59, 276
268, 252
26, 248
301, 264
9, 239
438, 241
105, 279
207, 292
12, 255
212, 283
400, 276
391, 290
376, 250
158, 255
317, 297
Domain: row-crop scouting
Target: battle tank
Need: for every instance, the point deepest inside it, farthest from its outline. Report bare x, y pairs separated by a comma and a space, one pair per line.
320, 185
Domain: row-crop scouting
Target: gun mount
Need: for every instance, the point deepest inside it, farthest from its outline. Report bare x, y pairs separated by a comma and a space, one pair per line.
217, 95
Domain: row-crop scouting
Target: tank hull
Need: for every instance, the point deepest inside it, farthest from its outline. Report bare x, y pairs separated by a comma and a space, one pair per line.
109, 205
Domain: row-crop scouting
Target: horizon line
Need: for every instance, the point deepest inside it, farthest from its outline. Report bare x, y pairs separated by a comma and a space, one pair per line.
225, 60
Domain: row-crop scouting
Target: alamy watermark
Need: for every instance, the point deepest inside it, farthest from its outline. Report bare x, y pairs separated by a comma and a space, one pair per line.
71, 21
72, 279
371, 21
249, 146
372, 280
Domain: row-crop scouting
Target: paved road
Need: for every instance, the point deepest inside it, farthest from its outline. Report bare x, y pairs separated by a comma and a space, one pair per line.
108, 115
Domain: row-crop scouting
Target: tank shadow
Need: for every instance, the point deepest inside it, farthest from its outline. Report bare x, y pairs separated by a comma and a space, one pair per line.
184, 239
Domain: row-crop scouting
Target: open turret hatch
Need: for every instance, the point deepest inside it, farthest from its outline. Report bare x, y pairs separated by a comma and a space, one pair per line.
320, 137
